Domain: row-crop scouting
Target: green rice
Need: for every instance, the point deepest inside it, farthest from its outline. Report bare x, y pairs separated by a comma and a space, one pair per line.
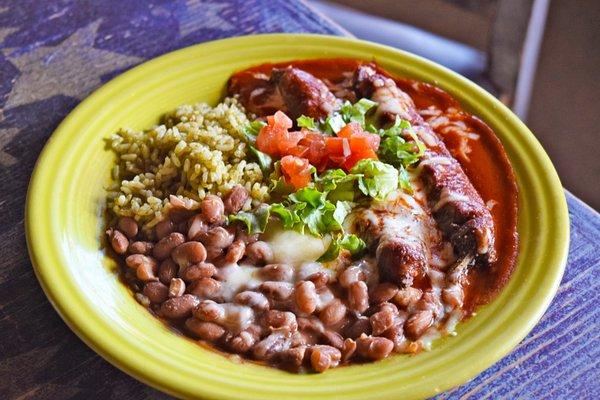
198, 150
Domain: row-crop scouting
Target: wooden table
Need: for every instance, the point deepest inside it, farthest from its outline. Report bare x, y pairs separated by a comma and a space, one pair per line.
54, 53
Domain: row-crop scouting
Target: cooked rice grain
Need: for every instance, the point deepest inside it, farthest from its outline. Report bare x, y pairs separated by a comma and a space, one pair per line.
198, 150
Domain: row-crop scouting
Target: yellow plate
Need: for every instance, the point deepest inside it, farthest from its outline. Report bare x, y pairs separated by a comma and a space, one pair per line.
64, 221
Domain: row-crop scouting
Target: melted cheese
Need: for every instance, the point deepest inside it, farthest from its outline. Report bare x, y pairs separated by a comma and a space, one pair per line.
446, 196
294, 248
236, 278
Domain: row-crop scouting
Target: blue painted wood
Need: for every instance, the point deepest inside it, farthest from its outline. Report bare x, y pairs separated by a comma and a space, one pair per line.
54, 53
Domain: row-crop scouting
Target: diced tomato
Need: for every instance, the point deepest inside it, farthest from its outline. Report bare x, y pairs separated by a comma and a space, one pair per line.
282, 120
289, 140
357, 156
296, 171
299, 151
275, 136
351, 145
317, 152
266, 141
349, 130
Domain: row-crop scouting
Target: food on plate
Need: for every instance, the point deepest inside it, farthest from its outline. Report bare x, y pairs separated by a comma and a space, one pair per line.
325, 213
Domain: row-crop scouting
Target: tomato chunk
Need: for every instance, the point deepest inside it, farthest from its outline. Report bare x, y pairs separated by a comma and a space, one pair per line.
350, 130
271, 138
296, 171
355, 157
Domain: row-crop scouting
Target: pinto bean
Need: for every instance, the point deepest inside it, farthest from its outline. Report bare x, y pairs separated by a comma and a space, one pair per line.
212, 209
324, 357
348, 349
214, 255
189, 253
209, 310
128, 226
294, 357
320, 279
166, 245
140, 247
198, 271
358, 296
156, 292
278, 291
235, 199
235, 252
417, 324
242, 342
396, 335
333, 313
135, 260
179, 307
349, 275
276, 320
245, 237
167, 271
217, 237
197, 227
311, 324
373, 347
256, 300
384, 306
306, 297
430, 301
407, 297
208, 331
259, 252
164, 228
206, 288
358, 327
276, 272
147, 273
176, 287
118, 241
271, 345
383, 292
381, 321
453, 296
334, 339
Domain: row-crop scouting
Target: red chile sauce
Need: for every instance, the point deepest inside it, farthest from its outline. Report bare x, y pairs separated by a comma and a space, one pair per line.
487, 164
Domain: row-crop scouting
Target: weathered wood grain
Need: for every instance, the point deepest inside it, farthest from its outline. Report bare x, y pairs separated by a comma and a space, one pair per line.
52, 54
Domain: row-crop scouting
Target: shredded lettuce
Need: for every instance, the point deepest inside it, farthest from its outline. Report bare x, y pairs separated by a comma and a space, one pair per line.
252, 130
356, 112
348, 113
350, 242
334, 123
306, 122
256, 222
396, 150
339, 184
376, 179
265, 162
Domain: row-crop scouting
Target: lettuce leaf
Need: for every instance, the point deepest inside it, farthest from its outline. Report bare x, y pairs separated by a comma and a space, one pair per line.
376, 179
356, 112
265, 162
350, 242
306, 122
256, 222
252, 130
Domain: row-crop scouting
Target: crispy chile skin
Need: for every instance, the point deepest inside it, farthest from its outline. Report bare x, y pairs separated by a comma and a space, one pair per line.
303, 94
291, 90
468, 225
